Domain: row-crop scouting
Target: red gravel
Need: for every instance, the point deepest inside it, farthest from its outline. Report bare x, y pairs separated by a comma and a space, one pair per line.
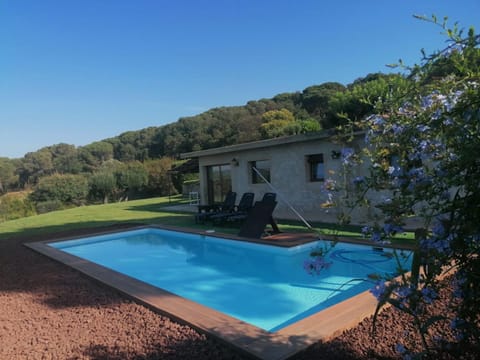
49, 311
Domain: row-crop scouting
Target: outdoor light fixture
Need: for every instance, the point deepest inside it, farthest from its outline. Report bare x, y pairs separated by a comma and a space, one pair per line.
234, 162
335, 154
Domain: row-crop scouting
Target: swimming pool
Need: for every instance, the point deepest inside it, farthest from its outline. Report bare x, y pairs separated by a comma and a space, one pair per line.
265, 286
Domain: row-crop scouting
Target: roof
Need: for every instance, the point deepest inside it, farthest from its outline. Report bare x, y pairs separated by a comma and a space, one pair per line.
259, 144
188, 167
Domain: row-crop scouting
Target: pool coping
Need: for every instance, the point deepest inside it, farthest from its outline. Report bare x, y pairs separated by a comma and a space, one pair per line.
247, 338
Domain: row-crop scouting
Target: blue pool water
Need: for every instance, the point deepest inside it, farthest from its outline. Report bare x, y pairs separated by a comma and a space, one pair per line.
263, 285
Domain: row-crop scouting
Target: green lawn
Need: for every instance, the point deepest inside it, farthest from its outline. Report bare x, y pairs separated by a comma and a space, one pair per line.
148, 211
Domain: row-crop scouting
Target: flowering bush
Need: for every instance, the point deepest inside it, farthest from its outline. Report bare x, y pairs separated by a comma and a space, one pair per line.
424, 149
423, 145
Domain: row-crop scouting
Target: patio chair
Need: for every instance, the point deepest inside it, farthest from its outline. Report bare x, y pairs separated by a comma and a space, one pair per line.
258, 218
206, 211
242, 209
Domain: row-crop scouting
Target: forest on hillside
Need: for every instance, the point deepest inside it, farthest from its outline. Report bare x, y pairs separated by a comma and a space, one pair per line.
136, 164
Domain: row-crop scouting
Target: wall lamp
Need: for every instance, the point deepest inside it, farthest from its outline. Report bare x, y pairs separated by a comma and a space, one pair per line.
234, 162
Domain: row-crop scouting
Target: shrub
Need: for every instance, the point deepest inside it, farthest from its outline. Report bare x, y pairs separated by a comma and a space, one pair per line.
65, 189
48, 206
15, 206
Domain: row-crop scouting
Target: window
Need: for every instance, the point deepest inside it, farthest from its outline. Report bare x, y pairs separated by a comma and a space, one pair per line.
263, 167
317, 168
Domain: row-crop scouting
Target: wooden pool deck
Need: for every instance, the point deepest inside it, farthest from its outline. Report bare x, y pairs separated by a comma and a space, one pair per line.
249, 339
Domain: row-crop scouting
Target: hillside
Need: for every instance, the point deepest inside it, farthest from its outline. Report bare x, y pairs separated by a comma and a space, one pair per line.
224, 125
324, 106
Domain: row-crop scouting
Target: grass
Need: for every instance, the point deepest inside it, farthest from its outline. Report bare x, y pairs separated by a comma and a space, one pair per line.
147, 211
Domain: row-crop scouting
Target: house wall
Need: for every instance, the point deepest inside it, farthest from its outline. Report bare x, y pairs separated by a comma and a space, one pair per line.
290, 177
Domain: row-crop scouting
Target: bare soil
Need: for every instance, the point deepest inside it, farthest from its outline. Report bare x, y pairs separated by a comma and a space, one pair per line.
49, 311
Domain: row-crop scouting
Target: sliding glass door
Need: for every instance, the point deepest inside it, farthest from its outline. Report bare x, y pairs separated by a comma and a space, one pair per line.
219, 182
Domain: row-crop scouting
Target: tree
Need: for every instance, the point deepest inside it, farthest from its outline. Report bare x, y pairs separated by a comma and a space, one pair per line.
282, 122
317, 100
118, 181
103, 185
131, 178
278, 123
7, 174
159, 179
125, 152
34, 165
95, 154
65, 159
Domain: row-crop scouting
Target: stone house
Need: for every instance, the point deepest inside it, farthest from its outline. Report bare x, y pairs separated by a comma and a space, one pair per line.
298, 168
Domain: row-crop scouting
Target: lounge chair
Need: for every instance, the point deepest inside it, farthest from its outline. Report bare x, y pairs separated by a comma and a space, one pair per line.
259, 217
242, 209
269, 196
240, 217
206, 211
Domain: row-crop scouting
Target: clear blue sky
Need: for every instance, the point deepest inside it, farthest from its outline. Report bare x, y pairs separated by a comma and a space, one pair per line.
78, 71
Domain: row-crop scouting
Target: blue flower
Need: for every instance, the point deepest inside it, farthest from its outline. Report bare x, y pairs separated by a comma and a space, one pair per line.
397, 129
445, 195
391, 229
417, 178
359, 180
404, 291
438, 230
448, 122
457, 284
428, 294
413, 156
457, 323
400, 348
427, 102
441, 246
376, 120
347, 155
423, 128
366, 230
416, 173
379, 290
424, 145
452, 48
376, 237
437, 114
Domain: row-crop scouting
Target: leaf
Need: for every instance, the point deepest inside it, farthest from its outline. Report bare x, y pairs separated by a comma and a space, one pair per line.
420, 17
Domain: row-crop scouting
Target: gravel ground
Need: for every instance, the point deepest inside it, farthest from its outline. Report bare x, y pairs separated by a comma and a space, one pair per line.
49, 311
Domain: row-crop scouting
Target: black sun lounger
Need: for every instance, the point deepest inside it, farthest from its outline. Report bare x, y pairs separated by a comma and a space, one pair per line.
206, 211
242, 209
